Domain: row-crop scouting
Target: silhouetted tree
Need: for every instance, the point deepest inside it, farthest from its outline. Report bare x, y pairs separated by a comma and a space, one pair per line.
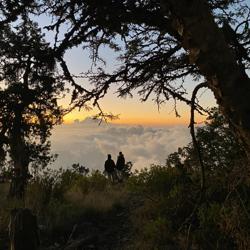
12, 9
165, 42
28, 100
80, 169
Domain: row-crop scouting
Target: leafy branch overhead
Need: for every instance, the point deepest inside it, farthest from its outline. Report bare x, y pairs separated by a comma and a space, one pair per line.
153, 53
162, 45
153, 58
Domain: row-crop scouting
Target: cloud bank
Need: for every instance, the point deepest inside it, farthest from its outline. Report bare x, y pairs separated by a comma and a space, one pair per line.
88, 144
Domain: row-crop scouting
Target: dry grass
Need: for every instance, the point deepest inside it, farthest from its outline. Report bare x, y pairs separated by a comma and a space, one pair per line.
101, 201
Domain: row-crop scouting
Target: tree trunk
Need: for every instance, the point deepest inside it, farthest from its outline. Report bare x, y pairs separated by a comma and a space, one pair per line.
20, 159
208, 50
20, 173
18, 184
23, 230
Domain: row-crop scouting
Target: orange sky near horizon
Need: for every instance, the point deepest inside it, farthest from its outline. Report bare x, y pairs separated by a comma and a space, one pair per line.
161, 121
134, 112
69, 119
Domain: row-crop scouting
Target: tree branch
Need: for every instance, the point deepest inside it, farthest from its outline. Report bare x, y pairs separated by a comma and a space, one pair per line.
192, 131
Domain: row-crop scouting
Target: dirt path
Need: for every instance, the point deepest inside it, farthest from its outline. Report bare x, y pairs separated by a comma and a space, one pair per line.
105, 231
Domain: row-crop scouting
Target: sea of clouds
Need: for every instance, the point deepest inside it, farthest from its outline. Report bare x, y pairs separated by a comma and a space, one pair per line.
88, 143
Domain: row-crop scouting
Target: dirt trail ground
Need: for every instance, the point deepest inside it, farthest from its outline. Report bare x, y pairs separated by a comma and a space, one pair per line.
106, 231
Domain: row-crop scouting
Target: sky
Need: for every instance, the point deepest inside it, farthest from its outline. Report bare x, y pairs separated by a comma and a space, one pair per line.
132, 110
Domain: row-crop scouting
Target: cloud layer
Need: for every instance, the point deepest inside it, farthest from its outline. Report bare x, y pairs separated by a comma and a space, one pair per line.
88, 144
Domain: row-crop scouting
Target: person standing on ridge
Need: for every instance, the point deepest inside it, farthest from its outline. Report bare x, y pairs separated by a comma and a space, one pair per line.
120, 165
110, 168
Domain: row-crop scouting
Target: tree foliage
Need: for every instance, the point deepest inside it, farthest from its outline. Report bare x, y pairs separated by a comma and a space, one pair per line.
221, 151
28, 97
168, 195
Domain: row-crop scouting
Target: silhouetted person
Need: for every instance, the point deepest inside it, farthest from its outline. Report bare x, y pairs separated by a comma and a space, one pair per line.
110, 168
120, 165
